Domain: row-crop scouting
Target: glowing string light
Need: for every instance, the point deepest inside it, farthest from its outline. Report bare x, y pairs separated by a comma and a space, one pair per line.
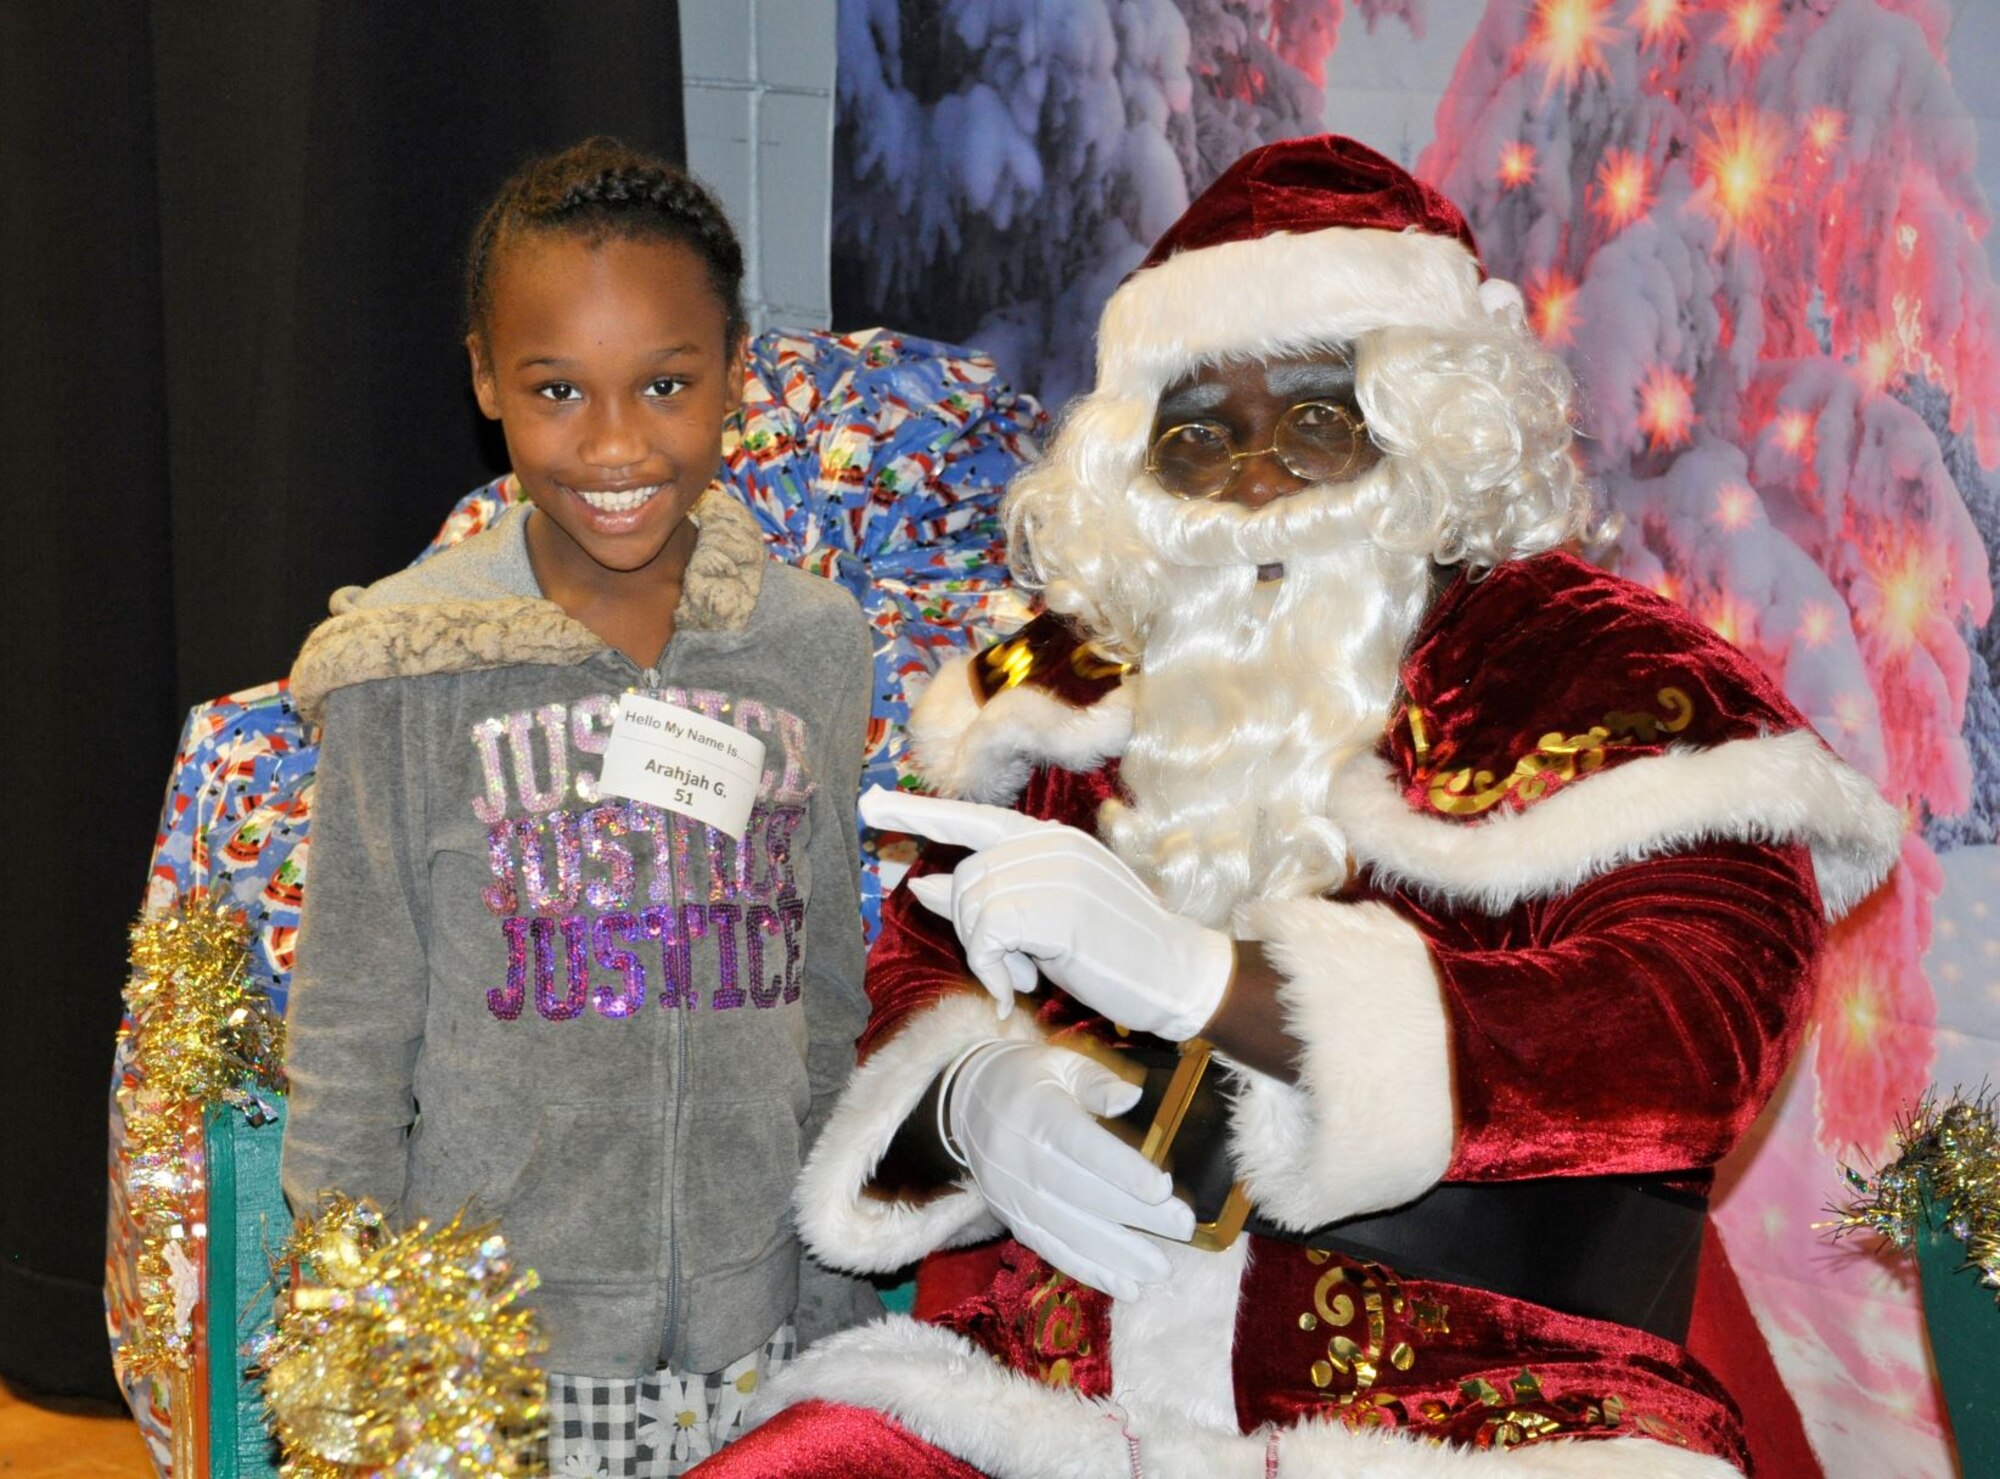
1517, 164
1666, 407
1751, 28
1852, 712
1909, 588
1737, 156
1726, 619
1816, 624
1825, 129
1794, 431
1658, 21
1859, 1007
1552, 308
1735, 505
1623, 193
1569, 38
1878, 362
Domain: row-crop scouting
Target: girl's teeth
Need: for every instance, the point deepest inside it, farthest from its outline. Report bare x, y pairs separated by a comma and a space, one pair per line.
617, 503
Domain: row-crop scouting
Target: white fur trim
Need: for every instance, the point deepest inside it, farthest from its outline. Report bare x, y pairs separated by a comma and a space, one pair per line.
1772, 788
841, 1221
1370, 1123
404, 639
952, 1394
1276, 295
1171, 1345
450, 636
985, 752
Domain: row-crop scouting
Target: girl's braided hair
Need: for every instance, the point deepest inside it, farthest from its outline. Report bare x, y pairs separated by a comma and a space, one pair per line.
601, 189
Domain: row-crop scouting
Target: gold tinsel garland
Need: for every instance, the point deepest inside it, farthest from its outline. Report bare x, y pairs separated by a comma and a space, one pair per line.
407, 1355
1953, 1151
201, 1033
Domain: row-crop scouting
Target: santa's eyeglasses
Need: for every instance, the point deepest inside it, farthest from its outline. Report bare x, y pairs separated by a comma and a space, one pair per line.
1315, 440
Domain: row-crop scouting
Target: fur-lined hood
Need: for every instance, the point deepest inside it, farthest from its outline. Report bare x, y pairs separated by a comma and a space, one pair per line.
477, 605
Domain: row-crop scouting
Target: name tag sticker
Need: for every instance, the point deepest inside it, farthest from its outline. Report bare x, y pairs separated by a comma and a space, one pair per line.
678, 760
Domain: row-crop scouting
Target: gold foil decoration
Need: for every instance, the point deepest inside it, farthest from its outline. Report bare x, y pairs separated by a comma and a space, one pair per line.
407, 1355
1953, 1148
201, 1033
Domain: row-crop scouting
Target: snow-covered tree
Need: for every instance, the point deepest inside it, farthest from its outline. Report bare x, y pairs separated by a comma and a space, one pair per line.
1000, 165
1980, 823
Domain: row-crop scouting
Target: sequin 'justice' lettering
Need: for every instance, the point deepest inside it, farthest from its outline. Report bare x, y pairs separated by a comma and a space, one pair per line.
607, 906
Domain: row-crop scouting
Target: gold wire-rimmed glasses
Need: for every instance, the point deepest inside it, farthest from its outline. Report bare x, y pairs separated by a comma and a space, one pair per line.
1318, 441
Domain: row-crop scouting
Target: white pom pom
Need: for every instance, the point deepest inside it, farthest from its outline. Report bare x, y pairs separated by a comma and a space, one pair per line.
1502, 300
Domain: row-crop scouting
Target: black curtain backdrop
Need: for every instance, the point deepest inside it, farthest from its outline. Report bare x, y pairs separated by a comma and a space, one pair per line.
231, 380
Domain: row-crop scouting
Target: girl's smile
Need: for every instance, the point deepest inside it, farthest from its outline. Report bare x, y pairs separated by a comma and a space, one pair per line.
617, 500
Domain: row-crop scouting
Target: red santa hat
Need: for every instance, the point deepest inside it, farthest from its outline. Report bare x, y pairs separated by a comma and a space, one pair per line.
1300, 243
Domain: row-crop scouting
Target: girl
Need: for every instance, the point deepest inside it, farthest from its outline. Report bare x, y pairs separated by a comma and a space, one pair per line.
582, 943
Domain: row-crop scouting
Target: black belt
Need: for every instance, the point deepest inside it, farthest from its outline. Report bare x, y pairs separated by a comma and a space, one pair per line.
1620, 1248
1609, 1247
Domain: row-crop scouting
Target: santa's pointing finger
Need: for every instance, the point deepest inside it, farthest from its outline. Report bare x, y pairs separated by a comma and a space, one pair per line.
1039, 898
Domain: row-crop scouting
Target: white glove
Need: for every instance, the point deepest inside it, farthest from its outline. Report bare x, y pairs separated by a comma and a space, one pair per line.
1019, 1115
1040, 894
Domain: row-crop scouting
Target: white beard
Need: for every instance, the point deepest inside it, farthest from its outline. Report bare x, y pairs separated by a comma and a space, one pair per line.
1250, 698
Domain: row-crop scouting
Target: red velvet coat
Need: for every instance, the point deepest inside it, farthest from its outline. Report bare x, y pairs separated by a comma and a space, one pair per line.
1594, 835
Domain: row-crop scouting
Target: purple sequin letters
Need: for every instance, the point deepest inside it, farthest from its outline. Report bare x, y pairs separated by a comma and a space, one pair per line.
606, 904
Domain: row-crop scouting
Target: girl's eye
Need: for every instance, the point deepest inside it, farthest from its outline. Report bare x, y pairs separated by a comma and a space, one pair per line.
665, 387
559, 391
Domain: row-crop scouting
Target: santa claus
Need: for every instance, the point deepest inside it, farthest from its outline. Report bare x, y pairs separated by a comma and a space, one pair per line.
1480, 890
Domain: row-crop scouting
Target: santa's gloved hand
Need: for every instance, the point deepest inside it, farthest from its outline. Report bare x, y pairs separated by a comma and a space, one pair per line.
1043, 895
1019, 1117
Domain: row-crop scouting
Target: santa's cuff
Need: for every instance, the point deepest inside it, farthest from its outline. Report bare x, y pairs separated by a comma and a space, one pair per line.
1370, 1123
842, 1219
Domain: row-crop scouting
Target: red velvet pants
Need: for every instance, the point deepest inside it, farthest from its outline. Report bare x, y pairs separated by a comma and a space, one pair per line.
820, 1440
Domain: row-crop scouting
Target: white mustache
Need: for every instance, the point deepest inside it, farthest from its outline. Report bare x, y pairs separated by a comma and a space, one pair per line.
1186, 532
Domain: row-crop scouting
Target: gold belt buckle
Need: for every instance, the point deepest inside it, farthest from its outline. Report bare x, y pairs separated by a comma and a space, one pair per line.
1157, 1142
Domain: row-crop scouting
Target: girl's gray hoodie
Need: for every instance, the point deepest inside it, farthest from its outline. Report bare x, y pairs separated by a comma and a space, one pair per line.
610, 1027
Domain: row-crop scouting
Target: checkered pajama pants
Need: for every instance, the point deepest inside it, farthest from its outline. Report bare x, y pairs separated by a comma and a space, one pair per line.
654, 1427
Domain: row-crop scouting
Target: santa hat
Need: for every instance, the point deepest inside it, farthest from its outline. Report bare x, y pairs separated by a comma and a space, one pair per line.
1299, 243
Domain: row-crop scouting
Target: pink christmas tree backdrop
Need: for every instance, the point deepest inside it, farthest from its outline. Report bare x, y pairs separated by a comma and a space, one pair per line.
1754, 229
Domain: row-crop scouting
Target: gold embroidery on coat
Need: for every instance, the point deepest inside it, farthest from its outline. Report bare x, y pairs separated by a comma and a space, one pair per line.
1058, 1337
1093, 662
1557, 758
1012, 663
1355, 1304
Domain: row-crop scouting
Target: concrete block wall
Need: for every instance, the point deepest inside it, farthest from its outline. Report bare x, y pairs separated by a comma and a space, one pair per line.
758, 89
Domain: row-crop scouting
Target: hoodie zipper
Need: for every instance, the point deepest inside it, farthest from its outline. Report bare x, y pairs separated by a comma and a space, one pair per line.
669, 1332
